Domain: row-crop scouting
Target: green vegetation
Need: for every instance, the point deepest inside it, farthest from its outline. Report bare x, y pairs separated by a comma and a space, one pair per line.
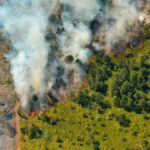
123, 121
79, 128
110, 112
130, 85
125, 82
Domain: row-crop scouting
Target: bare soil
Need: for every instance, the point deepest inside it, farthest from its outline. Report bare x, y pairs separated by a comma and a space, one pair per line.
9, 119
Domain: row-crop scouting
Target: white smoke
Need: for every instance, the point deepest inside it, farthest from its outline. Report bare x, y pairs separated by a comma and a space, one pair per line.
25, 22
39, 67
83, 11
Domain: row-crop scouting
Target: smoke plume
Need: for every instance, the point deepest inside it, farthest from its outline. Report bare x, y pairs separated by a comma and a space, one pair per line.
53, 39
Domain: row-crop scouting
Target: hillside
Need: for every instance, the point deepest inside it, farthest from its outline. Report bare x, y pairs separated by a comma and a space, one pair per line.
111, 111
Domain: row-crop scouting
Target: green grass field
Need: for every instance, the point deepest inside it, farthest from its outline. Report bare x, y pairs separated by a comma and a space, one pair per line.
79, 127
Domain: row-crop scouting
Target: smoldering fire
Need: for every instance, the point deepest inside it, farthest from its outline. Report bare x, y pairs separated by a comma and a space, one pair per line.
53, 39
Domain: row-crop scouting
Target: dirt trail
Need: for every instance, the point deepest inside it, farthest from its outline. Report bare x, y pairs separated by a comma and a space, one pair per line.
17, 126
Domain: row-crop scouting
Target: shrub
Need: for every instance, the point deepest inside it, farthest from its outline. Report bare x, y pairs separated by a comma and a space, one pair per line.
59, 140
48, 120
123, 121
96, 145
35, 132
24, 131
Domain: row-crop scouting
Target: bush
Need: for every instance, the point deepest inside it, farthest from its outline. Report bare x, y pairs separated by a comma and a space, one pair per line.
24, 131
96, 145
35, 132
123, 121
59, 140
84, 99
48, 120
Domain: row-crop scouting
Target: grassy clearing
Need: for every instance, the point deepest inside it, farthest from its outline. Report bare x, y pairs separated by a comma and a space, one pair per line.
78, 127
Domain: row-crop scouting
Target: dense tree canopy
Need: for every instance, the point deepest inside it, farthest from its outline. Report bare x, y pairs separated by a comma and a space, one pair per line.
129, 86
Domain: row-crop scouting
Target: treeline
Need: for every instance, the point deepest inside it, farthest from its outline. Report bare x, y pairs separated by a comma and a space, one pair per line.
100, 70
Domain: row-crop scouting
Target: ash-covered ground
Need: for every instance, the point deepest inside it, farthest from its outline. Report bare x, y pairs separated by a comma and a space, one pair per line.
7, 102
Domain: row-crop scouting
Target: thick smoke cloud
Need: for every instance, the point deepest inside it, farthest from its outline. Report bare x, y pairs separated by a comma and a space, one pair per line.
51, 40
25, 23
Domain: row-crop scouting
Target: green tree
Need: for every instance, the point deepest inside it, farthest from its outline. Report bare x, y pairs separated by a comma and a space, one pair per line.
123, 121
35, 132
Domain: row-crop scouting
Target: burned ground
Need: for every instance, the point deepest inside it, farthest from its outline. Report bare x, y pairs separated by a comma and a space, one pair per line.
7, 101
